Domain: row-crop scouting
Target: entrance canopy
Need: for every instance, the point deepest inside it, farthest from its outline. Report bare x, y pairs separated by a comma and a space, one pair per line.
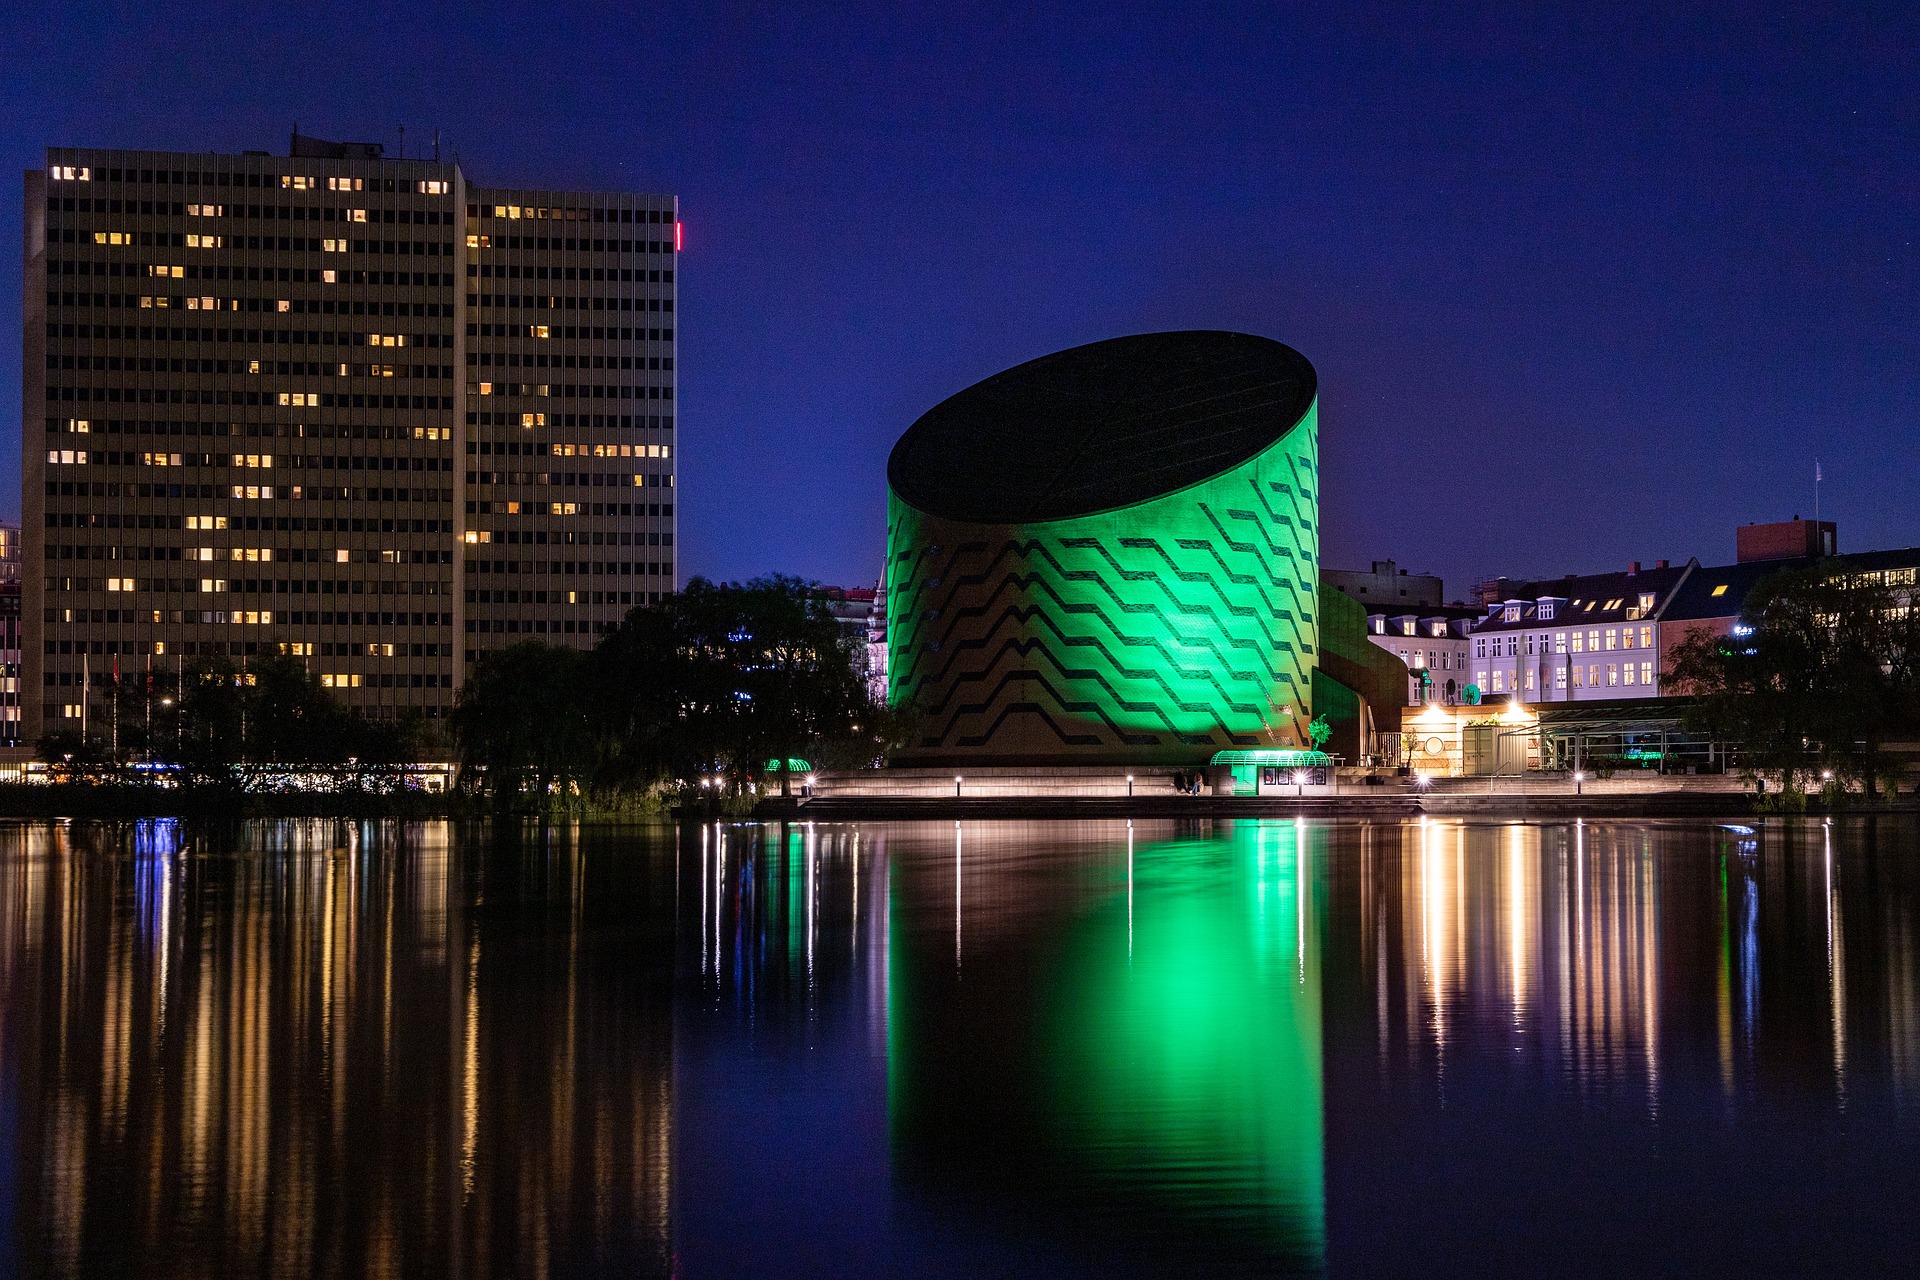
1275, 759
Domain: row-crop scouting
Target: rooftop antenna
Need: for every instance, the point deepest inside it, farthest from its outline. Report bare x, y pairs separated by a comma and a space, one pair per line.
403, 142
1816, 491
436, 146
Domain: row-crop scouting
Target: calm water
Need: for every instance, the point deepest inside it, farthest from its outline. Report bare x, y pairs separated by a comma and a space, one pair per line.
929, 1050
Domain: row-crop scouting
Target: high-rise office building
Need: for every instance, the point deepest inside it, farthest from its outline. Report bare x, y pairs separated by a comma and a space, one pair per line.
339, 402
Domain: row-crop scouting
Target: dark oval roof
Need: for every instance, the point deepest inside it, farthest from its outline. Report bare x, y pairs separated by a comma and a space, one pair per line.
1102, 426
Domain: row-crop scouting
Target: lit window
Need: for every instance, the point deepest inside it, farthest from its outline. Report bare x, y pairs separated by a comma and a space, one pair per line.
1626, 675
1646, 637
434, 187
1611, 637
120, 584
1646, 673
205, 242
298, 182
1626, 637
70, 173
346, 184
113, 237
333, 246
1613, 675
206, 211
1720, 590
206, 522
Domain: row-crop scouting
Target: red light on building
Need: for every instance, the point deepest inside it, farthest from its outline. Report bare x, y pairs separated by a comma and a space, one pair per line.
676, 237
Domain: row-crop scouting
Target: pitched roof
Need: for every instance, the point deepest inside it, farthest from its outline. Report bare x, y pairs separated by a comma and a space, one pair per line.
1586, 598
1721, 591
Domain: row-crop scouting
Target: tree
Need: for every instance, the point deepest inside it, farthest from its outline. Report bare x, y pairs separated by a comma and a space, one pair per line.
765, 672
522, 723
1818, 676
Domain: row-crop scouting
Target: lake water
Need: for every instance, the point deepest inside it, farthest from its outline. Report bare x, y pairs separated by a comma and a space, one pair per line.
992, 1049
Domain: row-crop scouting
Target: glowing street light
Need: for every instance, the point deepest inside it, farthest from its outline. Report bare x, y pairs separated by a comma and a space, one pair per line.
1129, 786
956, 786
1578, 778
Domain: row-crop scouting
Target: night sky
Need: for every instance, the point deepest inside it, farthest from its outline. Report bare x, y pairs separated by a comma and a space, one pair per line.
1579, 290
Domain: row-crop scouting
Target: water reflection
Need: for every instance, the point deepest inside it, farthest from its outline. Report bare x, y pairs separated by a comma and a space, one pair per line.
995, 1048
326, 1051
1126, 1044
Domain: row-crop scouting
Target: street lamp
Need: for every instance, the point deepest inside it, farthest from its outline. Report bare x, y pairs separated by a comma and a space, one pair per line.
956, 786
1578, 778
1129, 786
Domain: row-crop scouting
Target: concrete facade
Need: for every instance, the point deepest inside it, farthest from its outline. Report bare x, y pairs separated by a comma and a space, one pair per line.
337, 403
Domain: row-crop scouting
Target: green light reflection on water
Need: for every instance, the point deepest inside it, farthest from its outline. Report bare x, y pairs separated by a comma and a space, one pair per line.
1166, 1037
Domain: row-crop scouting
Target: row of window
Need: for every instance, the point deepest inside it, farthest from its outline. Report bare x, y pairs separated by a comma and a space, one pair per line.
560, 538
219, 178
267, 213
569, 332
178, 302
226, 396
559, 244
166, 617
648, 421
541, 360
564, 479
246, 586
251, 461
1590, 676
263, 524
1591, 641
516, 212
248, 492
258, 368
541, 390
254, 555
571, 568
539, 625
533, 449
118, 238
565, 302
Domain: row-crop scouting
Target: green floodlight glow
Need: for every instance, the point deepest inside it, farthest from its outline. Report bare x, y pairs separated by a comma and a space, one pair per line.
1158, 631
1274, 759
794, 765
1157, 1046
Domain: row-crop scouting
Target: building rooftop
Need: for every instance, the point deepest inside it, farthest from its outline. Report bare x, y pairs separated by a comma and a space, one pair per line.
1103, 426
1585, 598
1721, 591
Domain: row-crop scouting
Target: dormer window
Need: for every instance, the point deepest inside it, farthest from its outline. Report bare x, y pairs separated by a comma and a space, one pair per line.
1511, 613
1379, 625
1546, 611
1646, 602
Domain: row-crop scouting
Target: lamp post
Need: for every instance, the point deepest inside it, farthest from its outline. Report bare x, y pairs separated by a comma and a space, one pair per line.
1578, 779
956, 786
1129, 786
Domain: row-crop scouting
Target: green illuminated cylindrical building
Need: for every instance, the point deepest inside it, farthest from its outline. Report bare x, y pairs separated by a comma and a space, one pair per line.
1109, 555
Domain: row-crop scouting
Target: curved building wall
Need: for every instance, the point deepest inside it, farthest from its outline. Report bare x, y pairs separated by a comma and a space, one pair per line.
1155, 633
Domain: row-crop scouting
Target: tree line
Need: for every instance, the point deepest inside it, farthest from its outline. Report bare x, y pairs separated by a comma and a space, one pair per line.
697, 693
715, 688
1820, 675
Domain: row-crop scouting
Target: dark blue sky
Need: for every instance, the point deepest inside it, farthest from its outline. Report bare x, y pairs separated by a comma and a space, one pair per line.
1580, 289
